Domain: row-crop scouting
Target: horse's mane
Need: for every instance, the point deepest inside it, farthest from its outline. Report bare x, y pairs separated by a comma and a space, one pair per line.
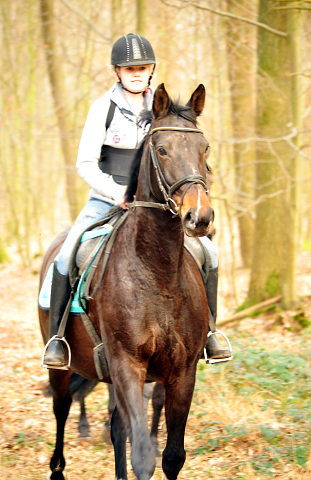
176, 109
133, 177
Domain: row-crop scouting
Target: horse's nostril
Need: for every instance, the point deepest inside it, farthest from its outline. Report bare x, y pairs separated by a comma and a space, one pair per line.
197, 222
190, 220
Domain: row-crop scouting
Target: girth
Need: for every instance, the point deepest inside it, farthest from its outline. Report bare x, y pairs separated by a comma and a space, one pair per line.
117, 162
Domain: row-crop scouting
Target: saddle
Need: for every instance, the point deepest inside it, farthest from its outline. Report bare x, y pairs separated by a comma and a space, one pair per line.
94, 243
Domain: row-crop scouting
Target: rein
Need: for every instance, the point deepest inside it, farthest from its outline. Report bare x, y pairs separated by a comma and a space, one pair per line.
166, 189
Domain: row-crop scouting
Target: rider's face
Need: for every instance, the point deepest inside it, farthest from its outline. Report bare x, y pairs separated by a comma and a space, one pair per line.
134, 78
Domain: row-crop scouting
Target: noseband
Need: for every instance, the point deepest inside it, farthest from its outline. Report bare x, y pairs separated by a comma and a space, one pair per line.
166, 189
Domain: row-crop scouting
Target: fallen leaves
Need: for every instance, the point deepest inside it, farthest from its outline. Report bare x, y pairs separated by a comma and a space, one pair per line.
27, 427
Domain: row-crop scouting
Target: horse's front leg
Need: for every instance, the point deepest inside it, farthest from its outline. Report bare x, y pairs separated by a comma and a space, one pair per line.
178, 398
62, 399
129, 395
118, 437
158, 398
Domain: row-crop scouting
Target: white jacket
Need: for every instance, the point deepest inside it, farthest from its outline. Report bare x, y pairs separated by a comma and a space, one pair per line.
123, 132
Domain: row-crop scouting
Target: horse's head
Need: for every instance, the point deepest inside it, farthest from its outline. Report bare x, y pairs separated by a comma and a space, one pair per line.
179, 173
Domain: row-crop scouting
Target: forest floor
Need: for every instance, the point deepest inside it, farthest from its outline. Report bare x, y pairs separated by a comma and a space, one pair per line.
250, 419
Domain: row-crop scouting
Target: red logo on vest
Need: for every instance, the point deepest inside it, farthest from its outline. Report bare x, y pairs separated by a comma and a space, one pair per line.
116, 138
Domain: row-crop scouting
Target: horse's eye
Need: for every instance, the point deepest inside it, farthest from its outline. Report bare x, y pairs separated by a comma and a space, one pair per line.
208, 168
162, 151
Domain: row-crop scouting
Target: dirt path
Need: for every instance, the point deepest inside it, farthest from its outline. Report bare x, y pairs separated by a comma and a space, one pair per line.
27, 425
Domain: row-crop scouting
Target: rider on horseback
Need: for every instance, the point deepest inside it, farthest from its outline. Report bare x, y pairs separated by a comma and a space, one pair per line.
112, 133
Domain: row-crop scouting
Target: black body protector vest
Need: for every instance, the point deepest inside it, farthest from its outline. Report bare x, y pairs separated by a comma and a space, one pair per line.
116, 161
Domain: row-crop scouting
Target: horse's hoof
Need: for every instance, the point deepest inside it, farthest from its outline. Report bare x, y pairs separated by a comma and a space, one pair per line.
56, 476
83, 435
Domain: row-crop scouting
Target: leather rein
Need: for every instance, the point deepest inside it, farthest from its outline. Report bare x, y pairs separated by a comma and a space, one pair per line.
166, 189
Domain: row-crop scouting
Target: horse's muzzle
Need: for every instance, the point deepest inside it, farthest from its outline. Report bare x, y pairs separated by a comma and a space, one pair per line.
197, 222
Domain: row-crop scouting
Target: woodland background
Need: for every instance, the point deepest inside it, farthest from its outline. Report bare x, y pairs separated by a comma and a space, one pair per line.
250, 418
254, 58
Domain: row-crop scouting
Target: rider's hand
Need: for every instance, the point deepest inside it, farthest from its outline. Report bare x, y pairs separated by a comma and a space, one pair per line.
124, 205
118, 194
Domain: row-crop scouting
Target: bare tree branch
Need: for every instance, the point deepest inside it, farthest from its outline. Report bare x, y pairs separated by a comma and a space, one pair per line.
286, 138
89, 22
226, 14
299, 5
250, 310
299, 73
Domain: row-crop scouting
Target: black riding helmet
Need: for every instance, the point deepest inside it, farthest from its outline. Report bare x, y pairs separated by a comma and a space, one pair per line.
132, 50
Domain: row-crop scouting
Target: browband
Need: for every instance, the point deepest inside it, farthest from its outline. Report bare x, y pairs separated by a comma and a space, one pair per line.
184, 129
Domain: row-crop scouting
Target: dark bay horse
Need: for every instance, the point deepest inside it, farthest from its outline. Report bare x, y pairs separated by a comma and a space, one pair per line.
151, 309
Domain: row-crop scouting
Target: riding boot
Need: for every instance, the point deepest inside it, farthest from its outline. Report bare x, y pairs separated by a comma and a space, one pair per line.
213, 349
60, 292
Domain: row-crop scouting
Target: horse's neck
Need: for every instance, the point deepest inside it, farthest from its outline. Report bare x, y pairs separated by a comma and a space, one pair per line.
159, 239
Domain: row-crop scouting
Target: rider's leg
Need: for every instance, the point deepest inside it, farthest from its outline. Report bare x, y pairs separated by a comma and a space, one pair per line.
60, 291
213, 348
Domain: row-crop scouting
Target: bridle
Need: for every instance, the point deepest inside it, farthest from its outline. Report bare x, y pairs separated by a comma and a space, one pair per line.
166, 189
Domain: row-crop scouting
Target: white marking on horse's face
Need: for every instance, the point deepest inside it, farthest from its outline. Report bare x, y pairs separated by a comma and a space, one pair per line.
199, 204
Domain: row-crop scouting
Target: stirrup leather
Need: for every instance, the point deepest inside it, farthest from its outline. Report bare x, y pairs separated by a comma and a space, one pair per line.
63, 367
218, 360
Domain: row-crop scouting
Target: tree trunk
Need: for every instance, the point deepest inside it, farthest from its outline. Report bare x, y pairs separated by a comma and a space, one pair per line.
294, 187
242, 44
141, 17
75, 195
117, 22
278, 167
273, 157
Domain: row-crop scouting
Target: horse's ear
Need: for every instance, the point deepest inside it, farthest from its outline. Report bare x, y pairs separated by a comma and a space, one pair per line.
197, 100
161, 102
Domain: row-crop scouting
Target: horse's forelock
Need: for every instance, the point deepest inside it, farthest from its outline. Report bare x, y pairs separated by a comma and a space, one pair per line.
183, 111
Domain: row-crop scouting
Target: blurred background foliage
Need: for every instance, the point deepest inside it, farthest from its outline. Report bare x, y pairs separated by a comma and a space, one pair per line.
253, 56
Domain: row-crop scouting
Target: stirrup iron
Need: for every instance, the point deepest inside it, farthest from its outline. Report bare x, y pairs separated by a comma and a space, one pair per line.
218, 360
63, 367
